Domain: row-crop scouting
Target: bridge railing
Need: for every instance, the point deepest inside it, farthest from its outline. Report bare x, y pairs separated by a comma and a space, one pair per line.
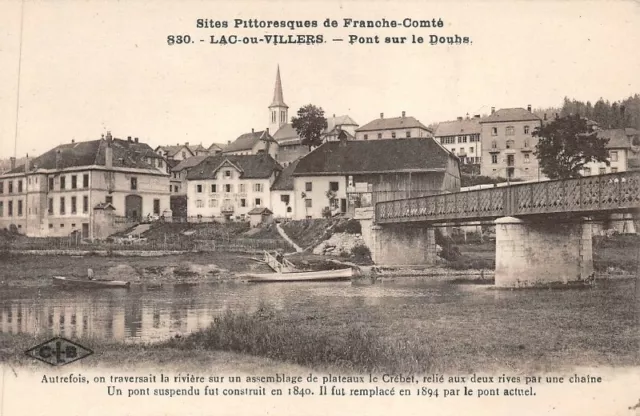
611, 192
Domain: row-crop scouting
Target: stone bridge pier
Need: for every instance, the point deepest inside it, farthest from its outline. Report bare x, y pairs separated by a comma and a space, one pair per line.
537, 253
397, 244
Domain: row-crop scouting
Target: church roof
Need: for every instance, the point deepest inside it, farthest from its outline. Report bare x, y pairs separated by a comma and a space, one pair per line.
278, 98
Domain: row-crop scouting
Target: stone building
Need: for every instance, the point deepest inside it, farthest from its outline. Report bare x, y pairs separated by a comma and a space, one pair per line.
462, 138
67, 189
404, 127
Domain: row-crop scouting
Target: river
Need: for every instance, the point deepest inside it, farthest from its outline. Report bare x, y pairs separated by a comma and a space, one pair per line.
147, 313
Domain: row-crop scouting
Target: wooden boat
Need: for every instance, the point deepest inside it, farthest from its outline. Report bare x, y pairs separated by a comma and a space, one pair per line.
86, 283
302, 276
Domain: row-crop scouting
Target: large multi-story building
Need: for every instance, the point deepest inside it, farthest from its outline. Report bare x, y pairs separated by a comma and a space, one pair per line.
404, 127
226, 185
508, 144
462, 138
69, 187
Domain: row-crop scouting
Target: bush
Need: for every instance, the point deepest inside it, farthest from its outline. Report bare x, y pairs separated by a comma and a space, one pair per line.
349, 226
326, 212
361, 251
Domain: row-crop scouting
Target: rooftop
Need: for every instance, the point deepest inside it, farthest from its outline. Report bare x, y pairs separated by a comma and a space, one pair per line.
510, 114
189, 163
457, 127
375, 156
247, 141
284, 182
404, 122
260, 166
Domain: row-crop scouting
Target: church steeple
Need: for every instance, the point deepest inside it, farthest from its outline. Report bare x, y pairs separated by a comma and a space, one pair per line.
278, 110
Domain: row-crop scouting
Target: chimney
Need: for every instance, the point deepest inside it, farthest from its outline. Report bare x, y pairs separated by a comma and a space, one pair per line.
459, 118
26, 164
529, 108
73, 141
266, 130
476, 116
252, 130
128, 138
381, 115
108, 155
186, 144
545, 116
109, 137
493, 110
13, 162
403, 113
228, 142
58, 159
135, 140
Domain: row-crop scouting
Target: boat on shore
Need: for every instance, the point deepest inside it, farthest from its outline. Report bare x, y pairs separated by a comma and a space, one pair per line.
285, 271
86, 283
302, 276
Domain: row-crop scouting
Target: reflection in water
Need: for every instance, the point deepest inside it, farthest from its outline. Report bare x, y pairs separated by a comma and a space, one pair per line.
141, 314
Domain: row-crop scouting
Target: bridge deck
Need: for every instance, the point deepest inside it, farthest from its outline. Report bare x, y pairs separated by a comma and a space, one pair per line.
588, 195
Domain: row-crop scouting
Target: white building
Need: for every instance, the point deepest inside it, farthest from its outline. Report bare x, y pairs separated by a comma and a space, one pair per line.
462, 138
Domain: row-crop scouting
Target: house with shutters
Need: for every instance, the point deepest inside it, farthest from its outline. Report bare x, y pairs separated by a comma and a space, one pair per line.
403, 127
66, 189
227, 186
338, 177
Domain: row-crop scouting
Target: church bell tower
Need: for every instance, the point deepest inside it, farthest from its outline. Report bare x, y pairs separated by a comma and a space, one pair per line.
278, 110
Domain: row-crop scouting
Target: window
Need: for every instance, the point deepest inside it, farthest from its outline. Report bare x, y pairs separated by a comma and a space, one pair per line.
509, 131
393, 134
184, 155
257, 187
61, 225
471, 150
228, 188
156, 206
1, 187
73, 204
85, 180
334, 186
62, 208
243, 188
199, 203
243, 202
587, 171
19, 186
494, 159
526, 129
613, 155
494, 131
134, 184
526, 143
214, 188
408, 134
51, 226
602, 171
258, 202
509, 144
85, 204
10, 208
10, 187
285, 199
199, 188
74, 182
50, 210
175, 188
227, 173
170, 188
213, 203
63, 182
307, 203
614, 170
379, 135
526, 158
50, 184
1, 209
308, 186
108, 199
462, 139
273, 116
20, 208
160, 163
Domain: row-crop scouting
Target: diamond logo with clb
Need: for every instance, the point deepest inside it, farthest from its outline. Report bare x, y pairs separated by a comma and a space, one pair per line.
59, 351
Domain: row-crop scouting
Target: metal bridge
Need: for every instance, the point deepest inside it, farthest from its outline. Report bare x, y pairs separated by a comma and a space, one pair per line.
615, 192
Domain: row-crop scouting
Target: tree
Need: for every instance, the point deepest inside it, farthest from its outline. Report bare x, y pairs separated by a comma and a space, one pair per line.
565, 145
310, 124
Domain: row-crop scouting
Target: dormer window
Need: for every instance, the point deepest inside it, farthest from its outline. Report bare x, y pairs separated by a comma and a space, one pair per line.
227, 173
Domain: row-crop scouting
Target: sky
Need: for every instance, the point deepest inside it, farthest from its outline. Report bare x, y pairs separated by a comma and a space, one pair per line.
82, 68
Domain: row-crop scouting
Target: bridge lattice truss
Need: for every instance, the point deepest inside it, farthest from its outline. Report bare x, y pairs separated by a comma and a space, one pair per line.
616, 192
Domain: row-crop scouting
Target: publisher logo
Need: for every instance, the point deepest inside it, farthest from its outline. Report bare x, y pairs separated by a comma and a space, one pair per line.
59, 351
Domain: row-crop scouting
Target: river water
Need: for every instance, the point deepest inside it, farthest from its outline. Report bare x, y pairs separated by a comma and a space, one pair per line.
144, 313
